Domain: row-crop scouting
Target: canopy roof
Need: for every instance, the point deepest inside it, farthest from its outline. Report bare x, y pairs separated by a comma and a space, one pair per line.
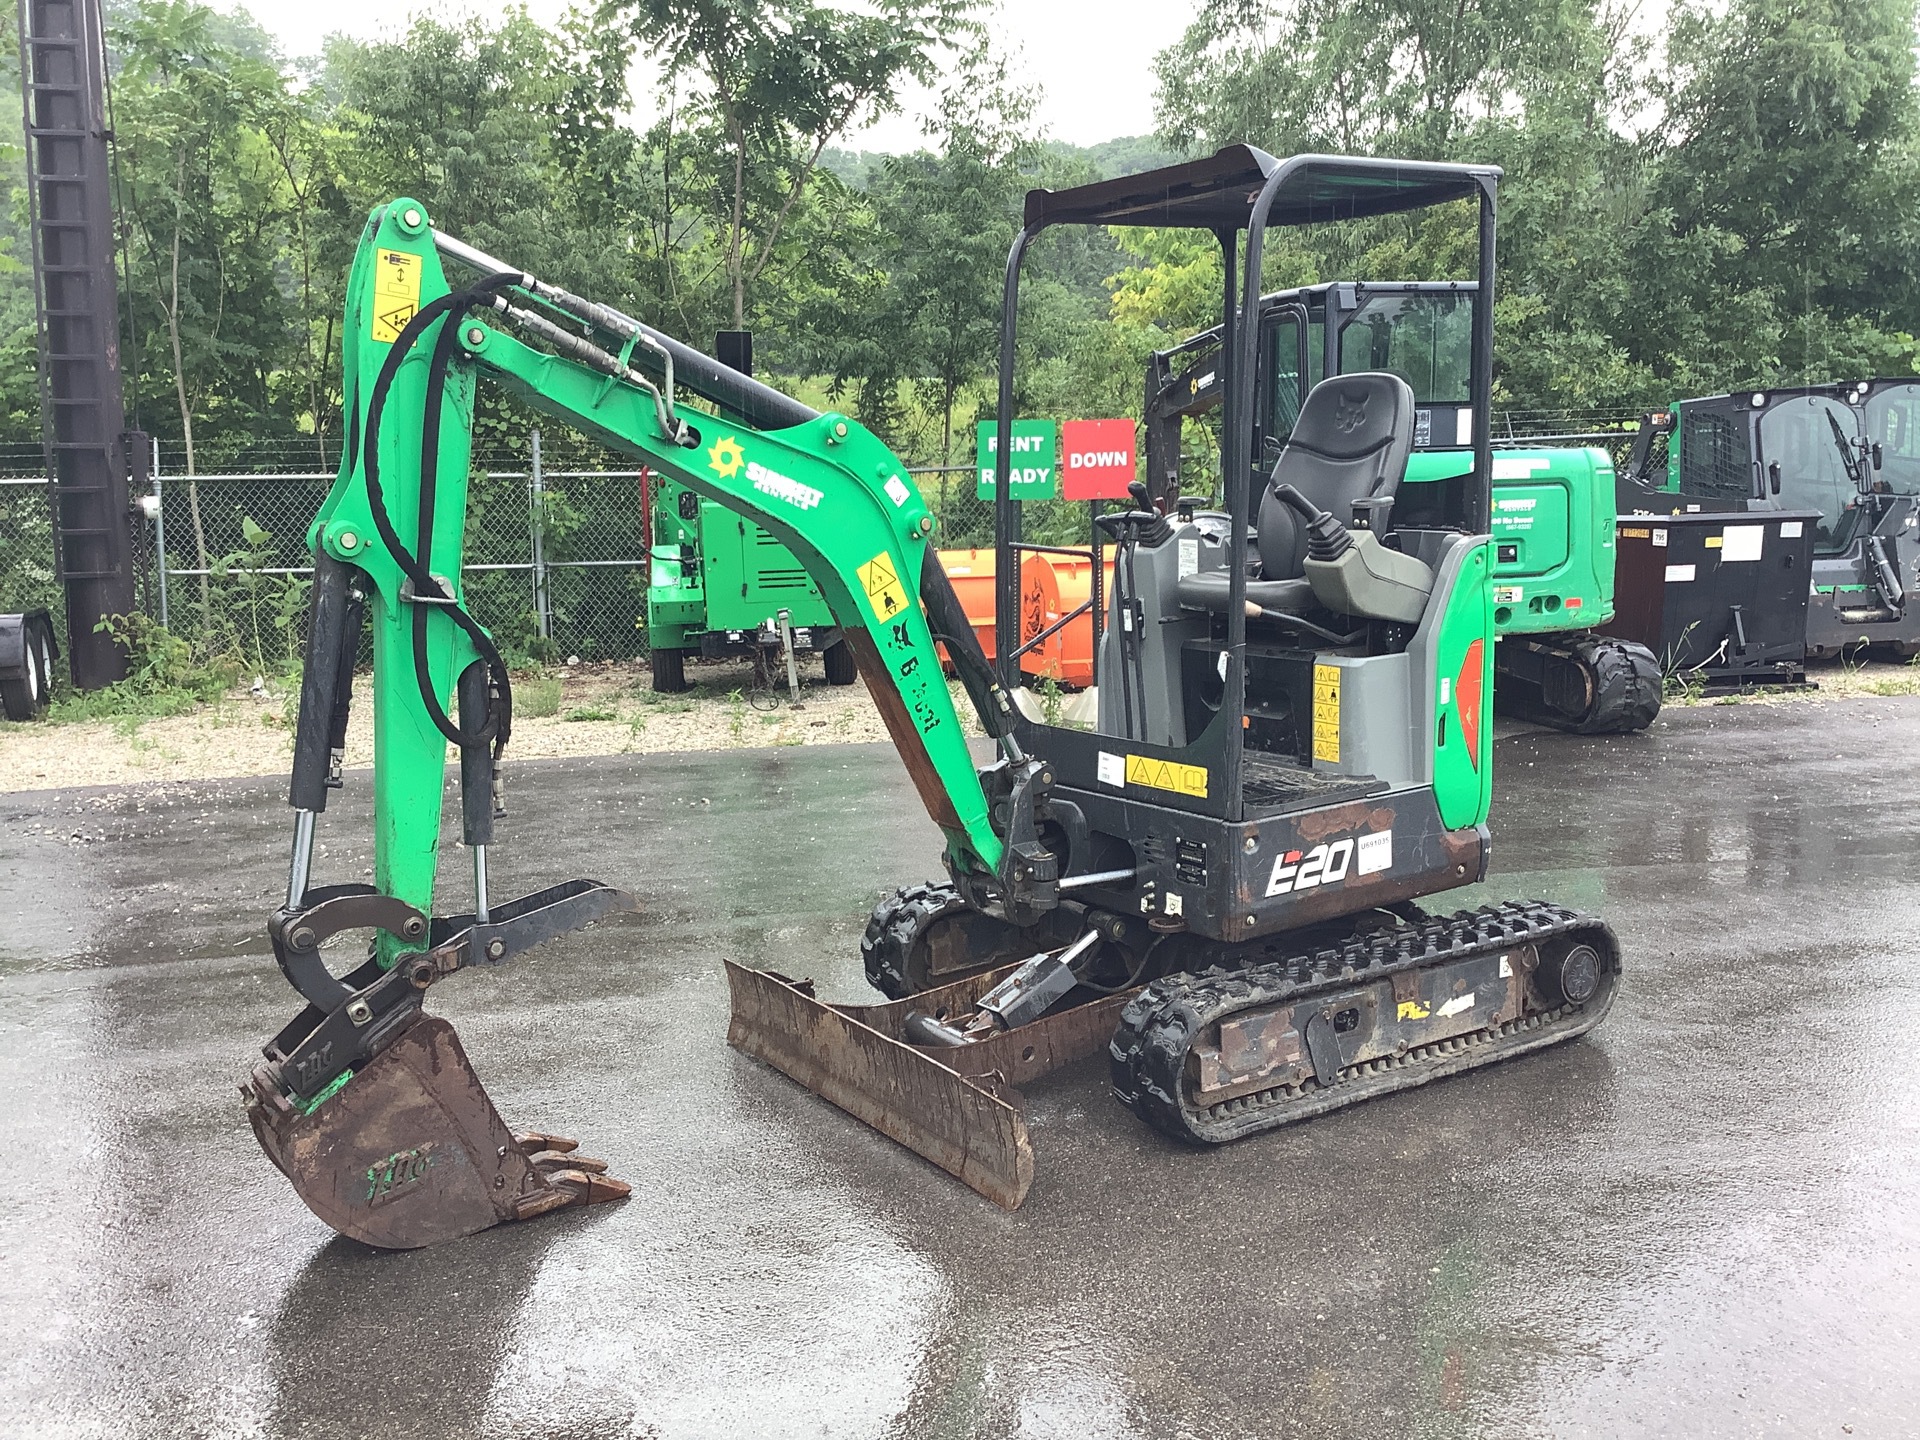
1218, 192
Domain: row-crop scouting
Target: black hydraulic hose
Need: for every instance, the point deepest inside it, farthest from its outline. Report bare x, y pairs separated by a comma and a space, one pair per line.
499, 725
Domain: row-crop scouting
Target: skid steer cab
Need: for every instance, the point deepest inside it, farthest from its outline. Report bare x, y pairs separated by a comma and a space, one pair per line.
1213, 883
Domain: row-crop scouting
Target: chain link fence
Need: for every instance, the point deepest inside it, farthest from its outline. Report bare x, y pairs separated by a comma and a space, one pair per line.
557, 560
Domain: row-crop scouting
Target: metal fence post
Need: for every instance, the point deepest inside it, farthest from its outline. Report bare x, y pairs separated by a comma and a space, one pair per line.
160, 533
536, 525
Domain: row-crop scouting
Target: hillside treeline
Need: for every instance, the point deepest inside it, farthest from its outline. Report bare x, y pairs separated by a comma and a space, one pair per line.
1715, 196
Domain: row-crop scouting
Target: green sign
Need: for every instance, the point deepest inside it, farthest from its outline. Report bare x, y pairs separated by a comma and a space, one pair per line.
1034, 475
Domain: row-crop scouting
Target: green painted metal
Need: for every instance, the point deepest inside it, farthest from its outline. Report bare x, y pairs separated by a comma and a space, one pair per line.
1553, 527
409, 753
828, 490
1553, 531
1463, 752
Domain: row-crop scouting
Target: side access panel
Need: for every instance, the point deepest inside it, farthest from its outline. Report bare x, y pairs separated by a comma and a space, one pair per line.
1553, 539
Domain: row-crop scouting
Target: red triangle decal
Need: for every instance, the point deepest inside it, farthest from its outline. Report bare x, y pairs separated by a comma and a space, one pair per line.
1466, 695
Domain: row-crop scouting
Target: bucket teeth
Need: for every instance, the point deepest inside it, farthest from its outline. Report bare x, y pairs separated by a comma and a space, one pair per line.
411, 1151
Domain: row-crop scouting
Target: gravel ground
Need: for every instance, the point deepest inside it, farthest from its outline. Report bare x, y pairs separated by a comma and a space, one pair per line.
250, 733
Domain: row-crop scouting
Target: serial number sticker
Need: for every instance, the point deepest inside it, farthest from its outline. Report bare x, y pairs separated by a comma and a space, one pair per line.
1375, 853
1326, 713
1790, 529
1678, 573
396, 293
884, 592
1111, 769
1167, 775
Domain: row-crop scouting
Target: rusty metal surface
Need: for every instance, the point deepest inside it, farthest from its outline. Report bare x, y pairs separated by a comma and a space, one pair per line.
412, 1152
956, 1107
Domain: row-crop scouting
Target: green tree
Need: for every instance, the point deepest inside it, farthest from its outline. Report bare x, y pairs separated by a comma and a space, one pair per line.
779, 81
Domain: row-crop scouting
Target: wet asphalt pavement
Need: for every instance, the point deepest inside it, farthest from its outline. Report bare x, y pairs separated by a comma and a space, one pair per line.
1703, 1221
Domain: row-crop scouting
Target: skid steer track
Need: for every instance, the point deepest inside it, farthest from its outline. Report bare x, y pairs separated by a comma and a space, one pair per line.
1211, 1058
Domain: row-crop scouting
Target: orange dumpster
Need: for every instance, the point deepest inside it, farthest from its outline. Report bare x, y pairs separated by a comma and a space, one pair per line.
1050, 586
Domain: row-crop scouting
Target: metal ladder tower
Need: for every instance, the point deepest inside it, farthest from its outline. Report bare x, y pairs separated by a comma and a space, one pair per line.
83, 420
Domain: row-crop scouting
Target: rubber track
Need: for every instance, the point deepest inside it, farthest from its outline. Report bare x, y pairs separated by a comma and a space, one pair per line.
1158, 1028
893, 927
1623, 676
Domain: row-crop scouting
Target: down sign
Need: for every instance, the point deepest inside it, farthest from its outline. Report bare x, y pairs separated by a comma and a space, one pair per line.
1096, 459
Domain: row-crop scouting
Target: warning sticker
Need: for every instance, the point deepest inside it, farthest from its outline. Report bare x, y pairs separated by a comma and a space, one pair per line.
884, 592
396, 293
1412, 1010
1167, 775
1326, 713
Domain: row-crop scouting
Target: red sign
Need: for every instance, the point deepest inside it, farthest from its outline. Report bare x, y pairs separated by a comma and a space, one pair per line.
1096, 459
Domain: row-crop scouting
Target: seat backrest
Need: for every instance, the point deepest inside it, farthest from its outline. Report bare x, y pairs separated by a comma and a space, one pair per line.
1351, 441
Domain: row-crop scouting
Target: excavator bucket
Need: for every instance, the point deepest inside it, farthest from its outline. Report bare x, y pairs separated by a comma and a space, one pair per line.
411, 1152
956, 1106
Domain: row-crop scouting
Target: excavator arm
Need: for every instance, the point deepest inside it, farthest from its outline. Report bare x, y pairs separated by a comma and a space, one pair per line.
364, 1102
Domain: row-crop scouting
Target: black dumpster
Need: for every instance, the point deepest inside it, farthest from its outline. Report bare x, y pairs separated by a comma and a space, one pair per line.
1722, 597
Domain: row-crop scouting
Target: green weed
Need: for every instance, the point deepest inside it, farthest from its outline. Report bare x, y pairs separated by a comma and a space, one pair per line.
537, 699
589, 713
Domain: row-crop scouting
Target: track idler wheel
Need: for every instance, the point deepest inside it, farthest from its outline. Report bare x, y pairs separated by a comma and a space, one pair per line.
1568, 975
411, 1152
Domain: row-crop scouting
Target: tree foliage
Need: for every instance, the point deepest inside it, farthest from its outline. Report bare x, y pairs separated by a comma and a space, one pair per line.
1730, 199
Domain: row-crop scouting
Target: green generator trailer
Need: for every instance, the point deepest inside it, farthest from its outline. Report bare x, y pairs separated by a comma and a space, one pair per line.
1553, 515
718, 584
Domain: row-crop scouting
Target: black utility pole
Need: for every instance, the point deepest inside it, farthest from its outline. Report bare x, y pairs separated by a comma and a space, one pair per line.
63, 75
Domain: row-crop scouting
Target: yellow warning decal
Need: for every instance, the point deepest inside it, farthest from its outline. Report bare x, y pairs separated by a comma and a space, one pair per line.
884, 592
396, 293
1326, 713
1167, 775
1413, 1010
1715, 542
1635, 532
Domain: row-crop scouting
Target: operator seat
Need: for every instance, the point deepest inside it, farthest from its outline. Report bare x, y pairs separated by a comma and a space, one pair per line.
1348, 451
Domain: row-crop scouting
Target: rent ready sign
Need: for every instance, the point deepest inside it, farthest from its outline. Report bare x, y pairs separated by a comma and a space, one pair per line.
1031, 475
1096, 459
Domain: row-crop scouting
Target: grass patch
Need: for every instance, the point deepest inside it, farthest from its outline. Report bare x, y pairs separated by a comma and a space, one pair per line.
584, 712
537, 699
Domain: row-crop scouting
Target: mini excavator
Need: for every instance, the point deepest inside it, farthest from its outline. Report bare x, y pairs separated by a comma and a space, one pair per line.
1214, 883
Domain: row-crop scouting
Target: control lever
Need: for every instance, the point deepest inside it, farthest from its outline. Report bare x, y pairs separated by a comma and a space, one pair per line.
1327, 538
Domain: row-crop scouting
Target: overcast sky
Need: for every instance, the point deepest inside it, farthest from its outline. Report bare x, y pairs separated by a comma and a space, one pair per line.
1092, 58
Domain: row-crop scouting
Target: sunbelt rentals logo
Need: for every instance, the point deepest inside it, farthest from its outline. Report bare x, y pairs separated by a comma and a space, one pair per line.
726, 459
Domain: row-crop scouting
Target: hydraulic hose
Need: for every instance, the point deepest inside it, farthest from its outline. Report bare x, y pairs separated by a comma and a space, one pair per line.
498, 726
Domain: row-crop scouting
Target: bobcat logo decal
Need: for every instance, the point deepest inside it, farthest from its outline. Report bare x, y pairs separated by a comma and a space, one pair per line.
1352, 413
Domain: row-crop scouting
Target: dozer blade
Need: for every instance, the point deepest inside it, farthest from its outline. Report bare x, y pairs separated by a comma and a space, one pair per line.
411, 1152
956, 1106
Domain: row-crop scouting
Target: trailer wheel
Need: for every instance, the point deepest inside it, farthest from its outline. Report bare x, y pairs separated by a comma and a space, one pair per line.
838, 658
24, 696
669, 670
